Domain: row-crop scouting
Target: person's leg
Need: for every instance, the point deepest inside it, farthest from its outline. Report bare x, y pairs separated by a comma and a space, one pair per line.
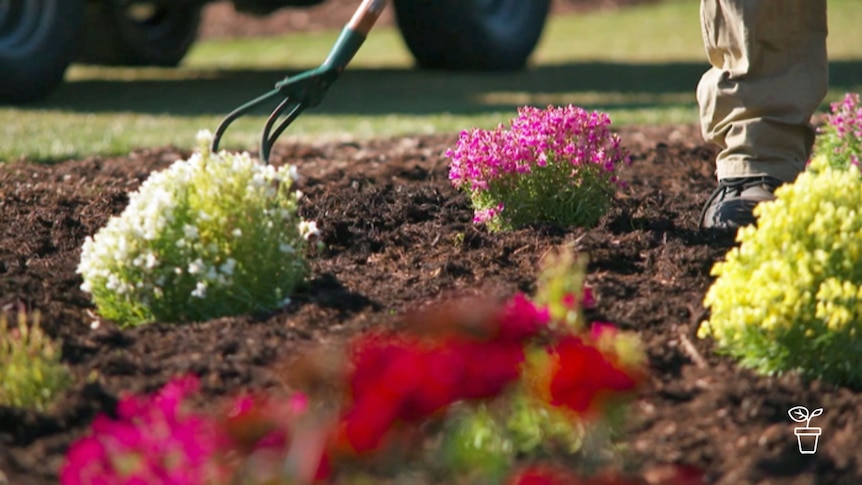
769, 74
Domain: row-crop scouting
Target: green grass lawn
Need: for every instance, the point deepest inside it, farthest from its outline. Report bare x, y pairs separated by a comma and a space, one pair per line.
639, 64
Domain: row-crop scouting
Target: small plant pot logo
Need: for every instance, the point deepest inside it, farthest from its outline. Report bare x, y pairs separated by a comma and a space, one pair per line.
807, 437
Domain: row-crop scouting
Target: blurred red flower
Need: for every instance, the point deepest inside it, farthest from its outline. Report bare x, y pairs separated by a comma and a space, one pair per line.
582, 375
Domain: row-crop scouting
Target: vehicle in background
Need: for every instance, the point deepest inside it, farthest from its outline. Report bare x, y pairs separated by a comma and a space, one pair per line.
40, 38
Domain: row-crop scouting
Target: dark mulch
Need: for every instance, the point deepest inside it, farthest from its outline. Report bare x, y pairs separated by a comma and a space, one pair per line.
398, 235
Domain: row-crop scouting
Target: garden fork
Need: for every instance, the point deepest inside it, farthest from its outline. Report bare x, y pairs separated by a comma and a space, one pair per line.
306, 90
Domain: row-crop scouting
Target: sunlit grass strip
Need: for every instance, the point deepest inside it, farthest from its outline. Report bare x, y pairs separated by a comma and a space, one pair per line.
44, 136
46, 139
384, 48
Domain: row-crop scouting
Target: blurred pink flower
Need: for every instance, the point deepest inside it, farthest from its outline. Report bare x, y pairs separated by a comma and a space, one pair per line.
152, 440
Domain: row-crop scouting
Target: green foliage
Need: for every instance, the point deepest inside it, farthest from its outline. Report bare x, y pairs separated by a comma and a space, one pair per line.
488, 440
475, 443
546, 196
790, 296
539, 429
215, 235
559, 282
31, 374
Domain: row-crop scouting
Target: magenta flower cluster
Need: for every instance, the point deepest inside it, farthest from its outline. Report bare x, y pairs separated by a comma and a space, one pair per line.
152, 440
160, 438
577, 146
841, 137
557, 135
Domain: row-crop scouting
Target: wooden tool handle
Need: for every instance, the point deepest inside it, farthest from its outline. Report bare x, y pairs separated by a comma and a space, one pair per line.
366, 15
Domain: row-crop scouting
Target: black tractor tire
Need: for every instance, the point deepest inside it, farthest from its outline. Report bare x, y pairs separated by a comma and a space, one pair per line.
38, 39
471, 34
139, 32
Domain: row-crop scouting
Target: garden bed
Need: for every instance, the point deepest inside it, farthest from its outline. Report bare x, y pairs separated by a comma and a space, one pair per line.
397, 236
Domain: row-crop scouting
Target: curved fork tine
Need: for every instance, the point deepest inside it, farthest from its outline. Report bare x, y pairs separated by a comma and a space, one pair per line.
233, 115
268, 138
307, 89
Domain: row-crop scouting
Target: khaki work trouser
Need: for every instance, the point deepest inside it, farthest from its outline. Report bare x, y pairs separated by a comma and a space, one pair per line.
769, 74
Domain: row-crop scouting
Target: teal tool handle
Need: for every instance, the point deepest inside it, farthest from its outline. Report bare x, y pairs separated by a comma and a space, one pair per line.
354, 34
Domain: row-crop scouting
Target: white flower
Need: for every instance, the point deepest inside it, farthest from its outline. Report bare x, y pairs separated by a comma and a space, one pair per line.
308, 229
200, 290
152, 261
204, 137
228, 267
190, 231
197, 267
237, 232
113, 282
293, 173
122, 248
258, 180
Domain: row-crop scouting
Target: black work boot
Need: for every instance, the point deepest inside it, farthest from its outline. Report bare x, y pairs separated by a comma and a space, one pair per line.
730, 205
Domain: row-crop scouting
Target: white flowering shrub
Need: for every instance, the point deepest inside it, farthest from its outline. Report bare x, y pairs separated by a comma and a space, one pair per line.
789, 297
215, 235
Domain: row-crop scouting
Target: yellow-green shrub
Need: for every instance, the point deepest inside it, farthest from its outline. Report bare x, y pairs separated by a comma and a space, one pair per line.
31, 374
790, 295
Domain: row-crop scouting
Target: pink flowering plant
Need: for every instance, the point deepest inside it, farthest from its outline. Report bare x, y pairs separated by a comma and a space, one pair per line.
154, 439
160, 438
557, 165
840, 138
